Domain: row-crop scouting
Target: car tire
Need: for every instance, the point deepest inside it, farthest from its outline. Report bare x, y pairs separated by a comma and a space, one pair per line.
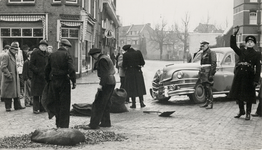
199, 95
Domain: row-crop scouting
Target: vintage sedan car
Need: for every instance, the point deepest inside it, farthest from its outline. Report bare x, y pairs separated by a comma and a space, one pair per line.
182, 79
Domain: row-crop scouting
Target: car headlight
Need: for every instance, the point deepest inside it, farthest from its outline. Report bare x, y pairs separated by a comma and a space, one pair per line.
180, 74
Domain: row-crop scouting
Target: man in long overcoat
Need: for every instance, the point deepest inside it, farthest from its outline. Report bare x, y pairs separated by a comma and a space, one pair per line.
134, 81
100, 115
247, 74
37, 64
5, 50
10, 80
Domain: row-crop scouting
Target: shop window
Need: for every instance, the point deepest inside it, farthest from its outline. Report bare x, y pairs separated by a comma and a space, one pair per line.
73, 33
38, 32
253, 1
5, 32
27, 32
70, 33
64, 32
16, 32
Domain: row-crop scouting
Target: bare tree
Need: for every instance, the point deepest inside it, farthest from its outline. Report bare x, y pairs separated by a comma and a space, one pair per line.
183, 33
159, 35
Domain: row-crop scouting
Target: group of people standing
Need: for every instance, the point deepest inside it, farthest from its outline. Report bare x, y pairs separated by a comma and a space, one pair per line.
247, 75
40, 68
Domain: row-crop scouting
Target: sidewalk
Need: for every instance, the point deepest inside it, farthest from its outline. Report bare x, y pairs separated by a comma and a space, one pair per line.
91, 78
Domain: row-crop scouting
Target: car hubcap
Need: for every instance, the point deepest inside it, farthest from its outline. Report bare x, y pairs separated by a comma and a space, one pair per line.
199, 91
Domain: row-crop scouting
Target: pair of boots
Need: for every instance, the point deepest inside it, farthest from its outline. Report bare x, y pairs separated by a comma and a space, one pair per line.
134, 102
208, 104
242, 110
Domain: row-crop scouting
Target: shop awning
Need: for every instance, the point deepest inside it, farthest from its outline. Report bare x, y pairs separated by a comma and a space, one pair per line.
24, 18
71, 23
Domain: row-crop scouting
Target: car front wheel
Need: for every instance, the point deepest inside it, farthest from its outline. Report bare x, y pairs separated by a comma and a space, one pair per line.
199, 95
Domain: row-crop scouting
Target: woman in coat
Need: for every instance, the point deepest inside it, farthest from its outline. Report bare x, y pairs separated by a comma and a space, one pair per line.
38, 61
134, 81
10, 80
247, 74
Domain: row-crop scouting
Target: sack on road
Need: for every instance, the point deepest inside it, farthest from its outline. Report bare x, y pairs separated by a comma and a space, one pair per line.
61, 136
118, 99
82, 109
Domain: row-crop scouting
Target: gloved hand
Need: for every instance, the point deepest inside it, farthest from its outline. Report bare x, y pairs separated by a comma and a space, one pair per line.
236, 29
210, 78
74, 86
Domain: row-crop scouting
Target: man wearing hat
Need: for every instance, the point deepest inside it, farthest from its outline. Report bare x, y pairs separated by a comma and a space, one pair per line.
58, 73
134, 81
247, 74
206, 74
37, 65
100, 115
10, 80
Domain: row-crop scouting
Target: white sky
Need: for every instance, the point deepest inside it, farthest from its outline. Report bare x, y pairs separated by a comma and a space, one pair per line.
220, 12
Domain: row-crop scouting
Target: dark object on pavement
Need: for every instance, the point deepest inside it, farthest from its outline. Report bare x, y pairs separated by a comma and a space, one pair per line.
118, 99
162, 114
83, 109
61, 136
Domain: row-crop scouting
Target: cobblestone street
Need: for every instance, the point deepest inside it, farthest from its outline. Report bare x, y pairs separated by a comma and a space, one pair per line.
190, 127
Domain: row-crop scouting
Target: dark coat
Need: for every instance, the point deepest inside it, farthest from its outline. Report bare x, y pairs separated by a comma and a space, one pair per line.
105, 70
246, 74
38, 62
10, 80
27, 73
134, 81
206, 75
58, 71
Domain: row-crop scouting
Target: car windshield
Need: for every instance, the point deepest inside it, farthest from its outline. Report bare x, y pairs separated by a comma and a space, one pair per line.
198, 57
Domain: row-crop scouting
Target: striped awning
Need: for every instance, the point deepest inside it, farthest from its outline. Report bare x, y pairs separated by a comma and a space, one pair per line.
24, 18
71, 23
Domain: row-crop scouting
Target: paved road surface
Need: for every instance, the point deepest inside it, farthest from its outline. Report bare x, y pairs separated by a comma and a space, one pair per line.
190, 127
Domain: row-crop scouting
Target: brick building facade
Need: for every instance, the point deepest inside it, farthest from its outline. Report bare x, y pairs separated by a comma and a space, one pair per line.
79, 21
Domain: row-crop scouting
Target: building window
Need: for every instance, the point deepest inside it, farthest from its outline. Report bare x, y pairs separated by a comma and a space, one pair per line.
22, 32
70, 33
71, 1
253, 1
253, 17
26, 32
21, 1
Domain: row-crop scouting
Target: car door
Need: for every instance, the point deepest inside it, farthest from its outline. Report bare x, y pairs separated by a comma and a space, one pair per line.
225, 73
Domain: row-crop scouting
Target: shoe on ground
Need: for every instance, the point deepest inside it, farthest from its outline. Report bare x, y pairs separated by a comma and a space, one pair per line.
256, 115
8, 110
19, 108
104, 125
142, 105
36, 111
239, 114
